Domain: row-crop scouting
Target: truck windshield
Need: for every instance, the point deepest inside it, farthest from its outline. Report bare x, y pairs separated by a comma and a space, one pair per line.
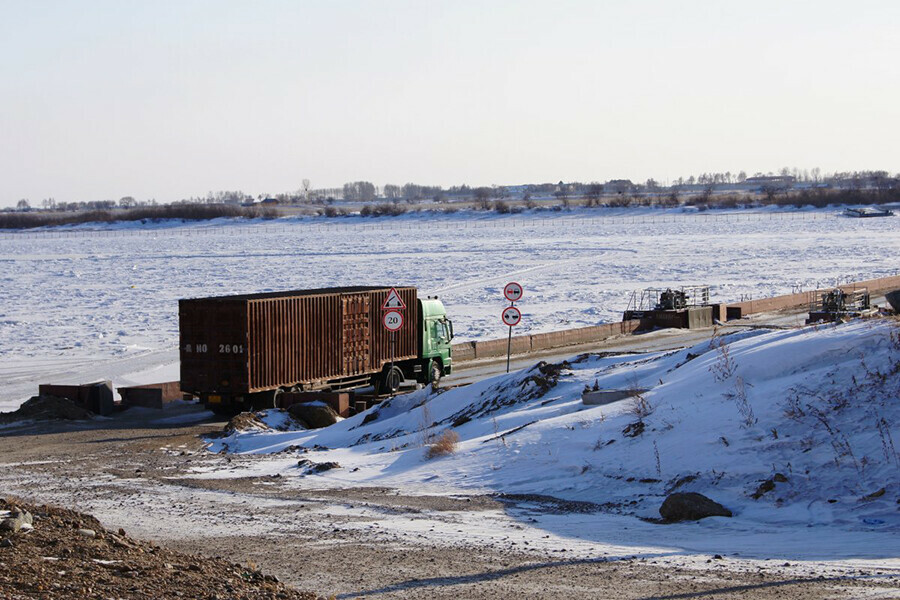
440, 331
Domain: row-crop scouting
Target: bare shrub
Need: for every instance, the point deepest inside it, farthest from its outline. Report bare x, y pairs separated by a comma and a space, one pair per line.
724, 367
887, 441
331, 212
656, 455
739, 395
640, 407
443, 445
185, 212
426, 433
389, 210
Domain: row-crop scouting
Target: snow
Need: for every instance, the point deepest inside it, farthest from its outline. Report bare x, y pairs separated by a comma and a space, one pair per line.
813, 409
91, 302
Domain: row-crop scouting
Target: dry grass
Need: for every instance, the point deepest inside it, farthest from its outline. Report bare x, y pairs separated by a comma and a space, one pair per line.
444, 445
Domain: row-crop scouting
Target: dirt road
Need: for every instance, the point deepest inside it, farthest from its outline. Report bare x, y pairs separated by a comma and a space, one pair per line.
139, 472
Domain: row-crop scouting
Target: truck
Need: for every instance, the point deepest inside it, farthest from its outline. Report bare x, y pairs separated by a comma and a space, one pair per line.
241, 352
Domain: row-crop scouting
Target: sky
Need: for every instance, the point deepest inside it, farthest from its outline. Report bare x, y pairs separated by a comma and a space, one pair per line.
171, 99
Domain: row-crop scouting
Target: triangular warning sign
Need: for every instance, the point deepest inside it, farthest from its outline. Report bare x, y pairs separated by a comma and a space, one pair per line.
393, 301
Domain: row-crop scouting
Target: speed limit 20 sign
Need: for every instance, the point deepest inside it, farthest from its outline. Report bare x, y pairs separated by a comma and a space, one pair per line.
511, 316
512, 291
392, 320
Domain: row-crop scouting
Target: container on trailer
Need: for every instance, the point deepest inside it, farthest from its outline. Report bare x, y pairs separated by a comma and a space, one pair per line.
233, 345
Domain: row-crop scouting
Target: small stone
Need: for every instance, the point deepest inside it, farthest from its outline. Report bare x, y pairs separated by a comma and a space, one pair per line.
6, 543
88, 533
16, 521
765, 487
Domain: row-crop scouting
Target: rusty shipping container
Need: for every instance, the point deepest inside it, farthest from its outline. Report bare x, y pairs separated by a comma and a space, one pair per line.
233, 345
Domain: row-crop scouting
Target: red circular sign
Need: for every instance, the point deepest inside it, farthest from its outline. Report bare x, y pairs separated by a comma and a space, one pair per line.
392, 320
511, 316
513, 291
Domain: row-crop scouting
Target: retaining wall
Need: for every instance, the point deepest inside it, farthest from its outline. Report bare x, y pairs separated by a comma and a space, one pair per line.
875, 286
523, 344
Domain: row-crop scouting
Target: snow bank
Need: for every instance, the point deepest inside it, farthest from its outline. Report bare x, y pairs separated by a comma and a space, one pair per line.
785, 428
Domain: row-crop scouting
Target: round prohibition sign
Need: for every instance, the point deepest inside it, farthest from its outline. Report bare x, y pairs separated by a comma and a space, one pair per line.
392, 320
511, 316
513, 291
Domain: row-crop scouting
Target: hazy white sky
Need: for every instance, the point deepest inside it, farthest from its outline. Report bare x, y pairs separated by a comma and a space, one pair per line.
168, 99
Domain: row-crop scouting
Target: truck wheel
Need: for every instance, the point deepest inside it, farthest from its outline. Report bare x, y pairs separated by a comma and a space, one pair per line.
391, 381
436, 373
263, 400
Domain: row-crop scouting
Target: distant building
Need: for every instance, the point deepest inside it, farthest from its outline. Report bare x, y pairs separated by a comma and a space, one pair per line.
772, 180
619, 186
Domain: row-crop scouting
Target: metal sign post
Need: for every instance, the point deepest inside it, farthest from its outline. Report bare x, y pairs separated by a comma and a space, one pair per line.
508, 348
392, 319
511, 315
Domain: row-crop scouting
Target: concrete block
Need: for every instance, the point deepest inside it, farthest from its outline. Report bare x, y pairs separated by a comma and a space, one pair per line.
601, 397
154, 395
339, 401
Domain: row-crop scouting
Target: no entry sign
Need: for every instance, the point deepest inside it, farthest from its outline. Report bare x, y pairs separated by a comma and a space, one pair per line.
511, 316
513, 291
392, 320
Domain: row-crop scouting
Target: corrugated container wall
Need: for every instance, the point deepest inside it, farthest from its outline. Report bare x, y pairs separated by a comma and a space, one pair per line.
241, 344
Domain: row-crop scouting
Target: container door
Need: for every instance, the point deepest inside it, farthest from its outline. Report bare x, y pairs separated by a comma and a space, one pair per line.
356, 344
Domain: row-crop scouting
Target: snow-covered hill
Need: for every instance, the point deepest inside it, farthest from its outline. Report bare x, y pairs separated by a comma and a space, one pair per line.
788, 429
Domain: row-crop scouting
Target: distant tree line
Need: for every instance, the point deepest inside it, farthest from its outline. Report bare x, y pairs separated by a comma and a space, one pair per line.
699, 190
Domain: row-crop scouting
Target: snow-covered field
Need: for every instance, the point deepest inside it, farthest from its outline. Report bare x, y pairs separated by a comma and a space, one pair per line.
811, 413
86, 303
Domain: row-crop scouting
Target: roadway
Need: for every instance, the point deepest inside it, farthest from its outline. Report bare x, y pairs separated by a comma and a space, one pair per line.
468, 372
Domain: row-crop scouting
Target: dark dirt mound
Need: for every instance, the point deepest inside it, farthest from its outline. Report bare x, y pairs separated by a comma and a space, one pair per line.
46, 408
314, 414
244, 421
537, 383
70, 555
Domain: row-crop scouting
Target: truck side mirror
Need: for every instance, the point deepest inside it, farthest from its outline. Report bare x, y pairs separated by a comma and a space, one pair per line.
450, 323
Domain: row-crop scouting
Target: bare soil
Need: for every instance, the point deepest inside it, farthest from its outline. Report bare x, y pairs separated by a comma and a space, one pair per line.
71, 555
136, 474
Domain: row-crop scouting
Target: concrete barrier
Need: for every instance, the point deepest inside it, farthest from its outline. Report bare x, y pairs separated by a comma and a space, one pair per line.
96, 397
154, 395
803, 299
521, 344
463, 351
876, 286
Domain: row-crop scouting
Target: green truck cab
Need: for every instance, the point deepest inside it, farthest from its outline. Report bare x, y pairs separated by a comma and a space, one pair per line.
437, 332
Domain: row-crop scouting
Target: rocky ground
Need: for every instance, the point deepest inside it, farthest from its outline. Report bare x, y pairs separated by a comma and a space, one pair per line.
51, 552
134, 472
